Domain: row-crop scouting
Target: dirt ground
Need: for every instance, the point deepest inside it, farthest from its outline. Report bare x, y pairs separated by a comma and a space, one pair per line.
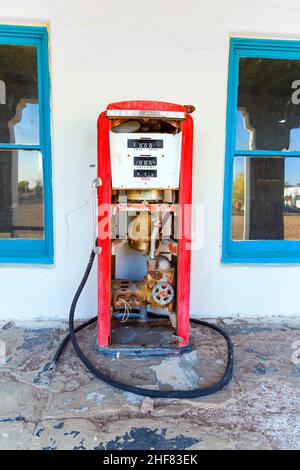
25, 215
70, 409
291, 227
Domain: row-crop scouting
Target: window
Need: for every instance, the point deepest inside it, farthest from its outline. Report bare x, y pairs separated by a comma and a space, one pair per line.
261, 215
26, 228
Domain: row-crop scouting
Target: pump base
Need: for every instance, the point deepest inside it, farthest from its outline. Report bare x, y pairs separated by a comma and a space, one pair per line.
142, 338
116, 351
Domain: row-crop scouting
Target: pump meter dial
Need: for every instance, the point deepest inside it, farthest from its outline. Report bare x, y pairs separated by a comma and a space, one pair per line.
163, 293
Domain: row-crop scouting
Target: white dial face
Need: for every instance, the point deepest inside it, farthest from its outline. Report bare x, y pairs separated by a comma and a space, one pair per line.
145, 160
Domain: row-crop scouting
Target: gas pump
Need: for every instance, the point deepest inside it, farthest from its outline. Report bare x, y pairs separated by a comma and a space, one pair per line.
145, 151
142, 233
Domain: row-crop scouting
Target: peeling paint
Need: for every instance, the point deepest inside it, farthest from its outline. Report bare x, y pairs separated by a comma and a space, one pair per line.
39, 432
12, 420
59, 425
147, 439
72, 433
262, 369
95, 396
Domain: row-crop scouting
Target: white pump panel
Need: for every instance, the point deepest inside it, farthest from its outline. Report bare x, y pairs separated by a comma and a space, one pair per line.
144, 160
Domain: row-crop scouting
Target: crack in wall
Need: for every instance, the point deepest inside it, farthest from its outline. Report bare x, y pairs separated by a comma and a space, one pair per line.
68, 214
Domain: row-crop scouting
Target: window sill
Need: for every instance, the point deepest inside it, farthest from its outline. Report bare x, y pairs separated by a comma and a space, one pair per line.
34, 257
261, 258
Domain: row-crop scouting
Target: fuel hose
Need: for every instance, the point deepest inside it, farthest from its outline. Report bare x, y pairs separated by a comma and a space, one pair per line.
180, 394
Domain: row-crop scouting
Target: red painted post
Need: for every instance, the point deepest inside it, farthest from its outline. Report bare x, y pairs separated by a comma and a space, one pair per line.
184, 253
104, 241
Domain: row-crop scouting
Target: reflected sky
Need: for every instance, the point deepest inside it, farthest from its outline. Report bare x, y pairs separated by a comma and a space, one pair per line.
27, 130
27, 165
30, 167
242, 134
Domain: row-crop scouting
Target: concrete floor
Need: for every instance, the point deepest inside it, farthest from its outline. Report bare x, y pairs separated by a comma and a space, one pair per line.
72, 410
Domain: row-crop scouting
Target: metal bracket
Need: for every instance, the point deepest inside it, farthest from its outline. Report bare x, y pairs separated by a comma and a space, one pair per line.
97, 183
178, 338
144, 113
97, 250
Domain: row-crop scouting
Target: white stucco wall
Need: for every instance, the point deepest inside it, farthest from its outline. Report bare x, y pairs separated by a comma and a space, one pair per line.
171, 50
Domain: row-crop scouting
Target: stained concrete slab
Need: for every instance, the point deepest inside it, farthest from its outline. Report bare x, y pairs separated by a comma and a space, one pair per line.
70, 409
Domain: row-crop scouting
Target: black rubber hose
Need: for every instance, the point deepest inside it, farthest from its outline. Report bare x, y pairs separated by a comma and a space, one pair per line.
182, 394
67, 338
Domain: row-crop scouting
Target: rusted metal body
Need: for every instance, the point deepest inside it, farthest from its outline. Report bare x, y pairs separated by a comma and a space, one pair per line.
138, 294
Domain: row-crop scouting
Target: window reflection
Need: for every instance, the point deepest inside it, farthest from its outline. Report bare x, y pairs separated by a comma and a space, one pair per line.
19, 109
266, 199
21, 195
268, 111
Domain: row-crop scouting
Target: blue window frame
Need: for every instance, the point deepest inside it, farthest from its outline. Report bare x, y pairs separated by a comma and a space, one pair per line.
244, 158
26, 221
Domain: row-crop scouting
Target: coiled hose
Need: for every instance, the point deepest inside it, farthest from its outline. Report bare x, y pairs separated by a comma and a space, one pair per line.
182, 394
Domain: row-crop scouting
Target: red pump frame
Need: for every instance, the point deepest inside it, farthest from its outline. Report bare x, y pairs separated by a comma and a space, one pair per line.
185, 201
